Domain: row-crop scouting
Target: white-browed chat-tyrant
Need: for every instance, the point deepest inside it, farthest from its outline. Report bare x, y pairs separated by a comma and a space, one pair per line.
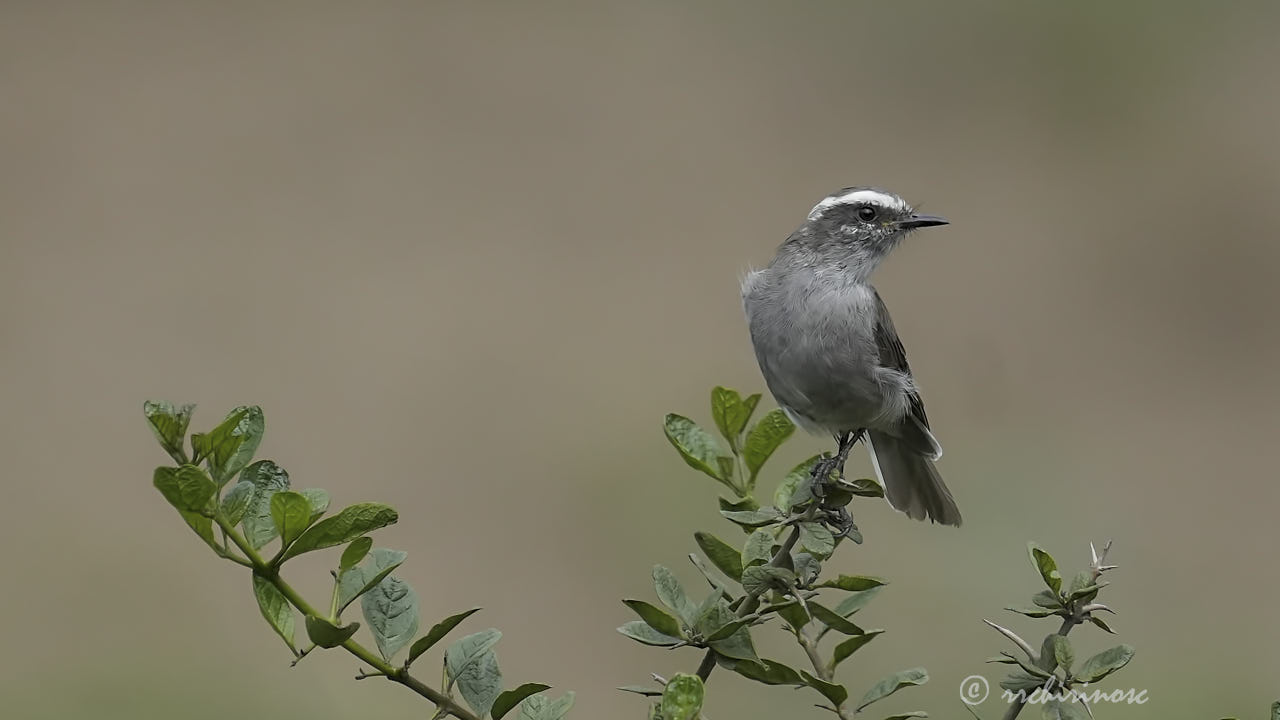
828, 349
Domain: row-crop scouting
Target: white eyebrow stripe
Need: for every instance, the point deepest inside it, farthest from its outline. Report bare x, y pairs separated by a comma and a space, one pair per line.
858, 196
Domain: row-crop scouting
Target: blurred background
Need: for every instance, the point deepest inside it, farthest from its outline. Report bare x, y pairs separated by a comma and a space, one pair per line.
466, 256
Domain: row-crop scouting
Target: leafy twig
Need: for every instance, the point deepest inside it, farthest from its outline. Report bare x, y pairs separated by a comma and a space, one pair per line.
264, 570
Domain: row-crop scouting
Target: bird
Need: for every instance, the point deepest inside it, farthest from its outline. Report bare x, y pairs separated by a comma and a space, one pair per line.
829, 352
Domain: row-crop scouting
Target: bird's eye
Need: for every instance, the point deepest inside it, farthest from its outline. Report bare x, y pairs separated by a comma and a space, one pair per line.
866, 213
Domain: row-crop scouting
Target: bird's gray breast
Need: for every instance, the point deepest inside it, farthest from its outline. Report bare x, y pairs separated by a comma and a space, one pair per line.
815, 338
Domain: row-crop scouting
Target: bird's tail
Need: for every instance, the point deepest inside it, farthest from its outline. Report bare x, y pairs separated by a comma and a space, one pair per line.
911, 483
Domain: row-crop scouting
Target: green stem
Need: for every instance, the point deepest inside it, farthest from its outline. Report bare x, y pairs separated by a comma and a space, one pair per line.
823, 670
752, 602
399, 675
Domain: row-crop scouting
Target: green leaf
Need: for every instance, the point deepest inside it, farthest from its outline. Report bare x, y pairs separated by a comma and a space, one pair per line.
1035, 670
1101, 624
1047, 599
728, 471
319, 500
731, 412
170, 426
1048, 569
671, 593
644, 690
230, 446
852, 645
856, 601
854, 583
1059, 710
186, 488
719, 587
327, 635
236, 501
682, 698
1021, 680
275, 609
391, 610
640, 631
1032, 612
507, 701
1062, 651
853, 534
539, 707
481, 683
349, 524
808, 568
754, 518
864, 487
794, 489
892, 684
737, 646
794, 614
764, 438
759, 579
1085, 594
726, 559
834, 620
1275, 710
741, 504
656, 618
291, 514
908, 715
1104, 663
837, 694
250, 427
728, 630
758, 549
203, 526
469, 649
698, 448
817, 539
769, 672
472, 663
1081, 581
268, 479
360, 579
354, 553
437, 633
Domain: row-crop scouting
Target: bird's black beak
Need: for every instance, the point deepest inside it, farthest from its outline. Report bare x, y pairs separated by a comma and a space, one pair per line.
915, 220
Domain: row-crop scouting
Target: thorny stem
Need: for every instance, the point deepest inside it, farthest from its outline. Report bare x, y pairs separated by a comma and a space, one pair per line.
266, 571
1097, 567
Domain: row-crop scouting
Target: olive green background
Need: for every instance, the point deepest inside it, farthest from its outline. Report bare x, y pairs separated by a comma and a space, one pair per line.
466, 256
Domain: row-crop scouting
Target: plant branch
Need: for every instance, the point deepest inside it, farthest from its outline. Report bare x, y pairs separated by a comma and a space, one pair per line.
271, 574
752, 601
1097, 567
822, 670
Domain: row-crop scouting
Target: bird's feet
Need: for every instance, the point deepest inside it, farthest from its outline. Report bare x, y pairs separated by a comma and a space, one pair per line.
840, 520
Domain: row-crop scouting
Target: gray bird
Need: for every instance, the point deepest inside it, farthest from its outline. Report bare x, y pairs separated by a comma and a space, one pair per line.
828, 350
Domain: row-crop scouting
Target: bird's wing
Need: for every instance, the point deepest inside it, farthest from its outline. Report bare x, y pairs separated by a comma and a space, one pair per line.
894, 357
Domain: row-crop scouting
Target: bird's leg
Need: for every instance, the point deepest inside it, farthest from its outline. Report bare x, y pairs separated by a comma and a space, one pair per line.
840, 517
822, 469
845, 441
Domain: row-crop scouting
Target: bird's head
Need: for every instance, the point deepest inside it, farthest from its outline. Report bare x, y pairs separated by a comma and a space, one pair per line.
857, 227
